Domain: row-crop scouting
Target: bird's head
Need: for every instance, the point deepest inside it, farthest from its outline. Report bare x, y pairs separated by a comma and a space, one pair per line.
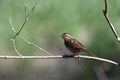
66, 36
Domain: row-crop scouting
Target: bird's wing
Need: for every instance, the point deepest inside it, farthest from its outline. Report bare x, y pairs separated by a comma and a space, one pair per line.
77, 44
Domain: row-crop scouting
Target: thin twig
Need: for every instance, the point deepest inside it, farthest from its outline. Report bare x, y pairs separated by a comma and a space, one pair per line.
26, 10
105, 12
27, 16
28, 42
106, 6
57, 57
14, 45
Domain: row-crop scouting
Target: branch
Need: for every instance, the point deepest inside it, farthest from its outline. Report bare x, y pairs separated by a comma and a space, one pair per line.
26, 18
28, 42
14, 45
58, 57
105, 12
18, 33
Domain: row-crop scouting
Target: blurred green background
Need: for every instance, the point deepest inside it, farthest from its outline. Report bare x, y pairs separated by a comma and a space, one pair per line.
82, 19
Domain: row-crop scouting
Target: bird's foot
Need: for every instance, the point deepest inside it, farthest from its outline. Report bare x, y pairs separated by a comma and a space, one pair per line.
78, 56
67, 56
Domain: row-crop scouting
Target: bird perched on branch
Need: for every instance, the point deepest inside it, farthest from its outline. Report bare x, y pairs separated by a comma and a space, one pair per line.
74, 46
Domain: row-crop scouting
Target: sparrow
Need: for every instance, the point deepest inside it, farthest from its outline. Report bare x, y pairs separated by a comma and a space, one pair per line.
74, 46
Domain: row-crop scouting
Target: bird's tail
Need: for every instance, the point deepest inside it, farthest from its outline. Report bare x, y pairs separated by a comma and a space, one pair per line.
90, 53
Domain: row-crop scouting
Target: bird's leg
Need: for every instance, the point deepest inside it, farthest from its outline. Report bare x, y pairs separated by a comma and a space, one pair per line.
78, 56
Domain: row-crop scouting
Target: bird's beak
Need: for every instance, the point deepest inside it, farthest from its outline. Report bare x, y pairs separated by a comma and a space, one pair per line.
61, 36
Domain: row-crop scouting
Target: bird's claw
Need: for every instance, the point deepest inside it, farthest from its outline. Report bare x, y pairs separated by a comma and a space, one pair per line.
79, 57
67, 56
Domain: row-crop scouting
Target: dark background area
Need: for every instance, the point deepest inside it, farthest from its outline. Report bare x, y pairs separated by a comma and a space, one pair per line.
82, 19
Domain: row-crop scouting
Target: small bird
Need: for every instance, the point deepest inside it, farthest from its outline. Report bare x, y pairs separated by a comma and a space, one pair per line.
74, 46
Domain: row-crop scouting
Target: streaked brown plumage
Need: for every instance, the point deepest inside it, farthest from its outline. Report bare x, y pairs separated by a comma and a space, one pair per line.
73, 45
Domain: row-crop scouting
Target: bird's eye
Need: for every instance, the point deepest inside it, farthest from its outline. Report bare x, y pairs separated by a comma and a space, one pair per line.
65, 35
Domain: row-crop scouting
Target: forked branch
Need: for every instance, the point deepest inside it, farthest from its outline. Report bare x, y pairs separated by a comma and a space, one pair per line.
28, 42
105, 12
26, 18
